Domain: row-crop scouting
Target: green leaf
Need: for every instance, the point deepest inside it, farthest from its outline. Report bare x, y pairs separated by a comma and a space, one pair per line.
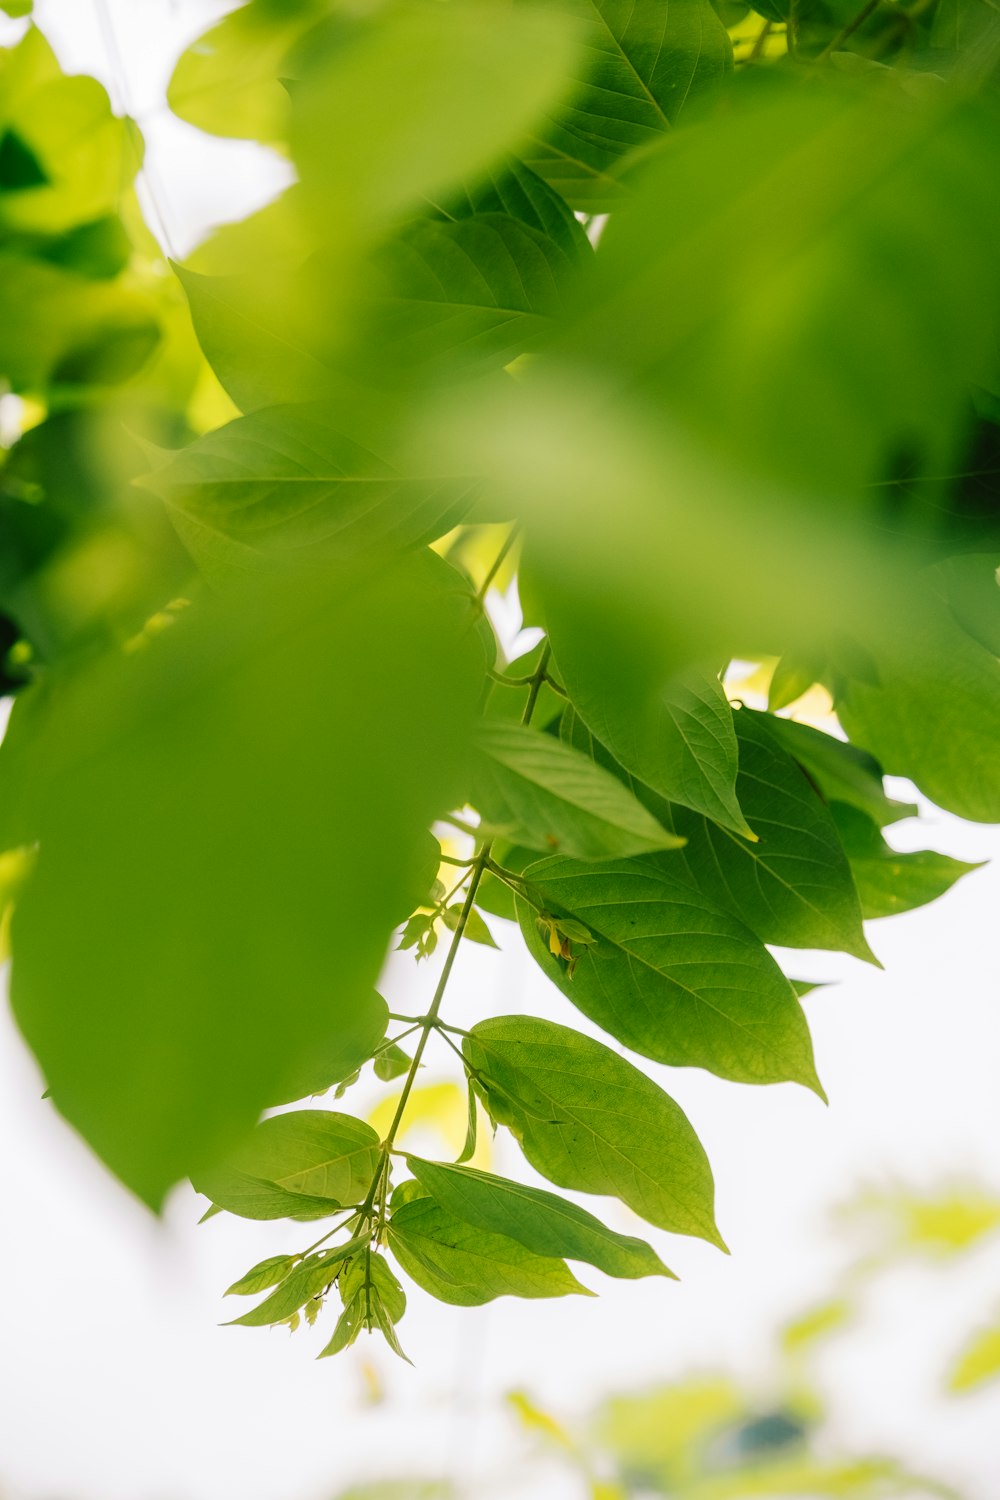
228, 81
641, 65
311, 1277
469, 1266
671, 974
317, 1153
843, 772
287, 482
889, 881
199, 929
340, 1056
249, 328
979, 1361
540, 1221
371, 1271
349, 1325
932, 712
408, 101
677, 736
391, 1063
794, 886
831, 181
587, 1119
475, 928
513, 189
550, 797
266, 1273
458, 298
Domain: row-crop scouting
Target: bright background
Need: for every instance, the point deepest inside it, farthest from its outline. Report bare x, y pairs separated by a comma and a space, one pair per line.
116, 1382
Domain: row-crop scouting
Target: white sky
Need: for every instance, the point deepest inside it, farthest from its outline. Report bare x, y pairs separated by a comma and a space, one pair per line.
116, 1382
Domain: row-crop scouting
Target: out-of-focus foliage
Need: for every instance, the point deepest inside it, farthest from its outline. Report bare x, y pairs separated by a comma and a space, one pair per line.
255, 506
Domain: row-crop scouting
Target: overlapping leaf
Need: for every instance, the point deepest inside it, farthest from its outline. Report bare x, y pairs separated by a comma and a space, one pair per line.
544, 1223
587, 1119
467, 1265
671, 974
548, 796
639, 67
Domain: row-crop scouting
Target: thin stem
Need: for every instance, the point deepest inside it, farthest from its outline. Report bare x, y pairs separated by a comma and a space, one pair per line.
537, 678
760, 41
329, 1233
505, 681
498, 562
849, 29
449, 859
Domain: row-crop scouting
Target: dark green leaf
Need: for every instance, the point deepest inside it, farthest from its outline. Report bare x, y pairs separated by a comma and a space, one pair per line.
513, 189
677, 736
587, 1119
541, 1221
671, 974
639, 68
469, 1266
841, 771
794, 886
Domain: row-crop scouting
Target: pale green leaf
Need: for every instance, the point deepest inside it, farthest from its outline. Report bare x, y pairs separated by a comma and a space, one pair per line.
409, 100
541, 1221
318, 1153
671, 974
311, 1277
266, 1273
467, 1265
587, 1119
550, 797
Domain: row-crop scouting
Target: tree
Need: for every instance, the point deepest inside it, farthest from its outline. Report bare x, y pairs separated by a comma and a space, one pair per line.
687, 315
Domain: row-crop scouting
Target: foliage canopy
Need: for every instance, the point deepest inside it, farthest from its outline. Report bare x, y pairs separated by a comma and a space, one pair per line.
686, 314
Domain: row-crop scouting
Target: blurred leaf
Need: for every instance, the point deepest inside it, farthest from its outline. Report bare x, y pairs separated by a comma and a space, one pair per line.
638, 69
288, 481
550, 797
201, 923
671, 974
932, 712
409, 100
228, 82
544, 1223
587, 1119
469, 1266
978, 1362
340, 1056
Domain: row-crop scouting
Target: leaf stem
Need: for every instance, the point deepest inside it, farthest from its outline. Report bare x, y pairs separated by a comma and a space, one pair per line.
498, 562
848, 30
